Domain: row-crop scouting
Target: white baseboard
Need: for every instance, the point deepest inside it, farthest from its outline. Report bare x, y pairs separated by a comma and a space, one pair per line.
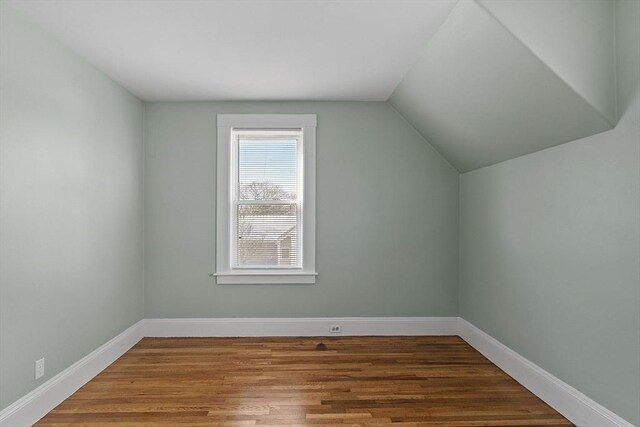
575, 406
300, 327
35, 405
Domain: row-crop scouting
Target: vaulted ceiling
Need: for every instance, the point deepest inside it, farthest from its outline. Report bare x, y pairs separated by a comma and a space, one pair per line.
482, 80
501, 79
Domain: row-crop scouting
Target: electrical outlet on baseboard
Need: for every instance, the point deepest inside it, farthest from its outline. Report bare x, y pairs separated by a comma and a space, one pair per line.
335, 329
39, 368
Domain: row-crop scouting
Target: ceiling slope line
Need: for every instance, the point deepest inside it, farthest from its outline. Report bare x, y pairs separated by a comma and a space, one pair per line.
425, 106
551, 69
615, 64
419, 54
417, 132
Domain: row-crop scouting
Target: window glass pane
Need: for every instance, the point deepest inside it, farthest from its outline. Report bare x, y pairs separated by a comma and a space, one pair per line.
267, 235
267, 168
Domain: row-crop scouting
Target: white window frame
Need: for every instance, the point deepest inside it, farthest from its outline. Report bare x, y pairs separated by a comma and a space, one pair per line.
226, 273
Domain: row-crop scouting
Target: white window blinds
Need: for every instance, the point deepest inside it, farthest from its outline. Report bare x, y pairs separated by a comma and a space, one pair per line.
267, 199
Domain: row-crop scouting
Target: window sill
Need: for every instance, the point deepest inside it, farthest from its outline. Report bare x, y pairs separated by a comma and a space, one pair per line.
263, 278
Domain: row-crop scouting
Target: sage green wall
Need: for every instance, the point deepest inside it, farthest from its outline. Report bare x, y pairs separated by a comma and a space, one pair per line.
70, 207
550, 249
387, 218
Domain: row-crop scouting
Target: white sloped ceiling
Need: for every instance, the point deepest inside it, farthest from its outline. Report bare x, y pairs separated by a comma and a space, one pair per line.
503, 79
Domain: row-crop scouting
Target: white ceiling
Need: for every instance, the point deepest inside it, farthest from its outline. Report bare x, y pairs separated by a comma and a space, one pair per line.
246, 49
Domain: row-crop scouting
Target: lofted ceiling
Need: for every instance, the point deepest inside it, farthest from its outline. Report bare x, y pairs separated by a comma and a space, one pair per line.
482, 80
574, 38
501, 79
173, 50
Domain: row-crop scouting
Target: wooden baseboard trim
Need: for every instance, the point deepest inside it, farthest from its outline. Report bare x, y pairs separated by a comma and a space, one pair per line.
351, 326
30, 408
578, 408
575, 406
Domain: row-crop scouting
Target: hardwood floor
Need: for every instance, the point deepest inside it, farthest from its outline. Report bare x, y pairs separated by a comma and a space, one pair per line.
356, 381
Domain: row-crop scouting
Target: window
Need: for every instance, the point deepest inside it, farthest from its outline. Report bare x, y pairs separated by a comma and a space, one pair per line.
266, 199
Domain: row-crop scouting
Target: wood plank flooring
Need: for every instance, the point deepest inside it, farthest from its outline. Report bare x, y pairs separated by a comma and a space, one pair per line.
356, 381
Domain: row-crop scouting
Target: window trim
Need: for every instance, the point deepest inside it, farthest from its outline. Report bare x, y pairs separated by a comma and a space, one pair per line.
225, 274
